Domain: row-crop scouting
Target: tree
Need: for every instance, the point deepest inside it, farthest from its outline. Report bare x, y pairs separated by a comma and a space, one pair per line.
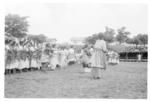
37, 39
92, 39
143, 38
122, 35
136, 40
41, 38
109, 34
16, 26
130, 40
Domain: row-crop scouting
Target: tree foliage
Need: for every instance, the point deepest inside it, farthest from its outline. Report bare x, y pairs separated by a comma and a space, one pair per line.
140, 39
122, 35
143, 38
92, 39
109, 34
130, 40
15, 25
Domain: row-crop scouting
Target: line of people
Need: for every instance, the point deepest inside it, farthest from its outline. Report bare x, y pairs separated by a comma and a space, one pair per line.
47, 58
56, 57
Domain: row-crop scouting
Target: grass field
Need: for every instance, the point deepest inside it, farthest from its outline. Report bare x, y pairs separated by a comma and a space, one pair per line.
128, 80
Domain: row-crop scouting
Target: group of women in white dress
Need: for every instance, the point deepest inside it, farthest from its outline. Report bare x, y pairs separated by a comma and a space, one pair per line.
19, 58
45, 57
113, 57
57, 57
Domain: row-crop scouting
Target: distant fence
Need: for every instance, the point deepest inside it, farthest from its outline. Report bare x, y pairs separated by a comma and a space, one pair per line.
133, 56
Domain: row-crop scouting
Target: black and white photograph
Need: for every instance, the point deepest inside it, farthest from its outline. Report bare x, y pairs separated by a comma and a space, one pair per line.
69, 50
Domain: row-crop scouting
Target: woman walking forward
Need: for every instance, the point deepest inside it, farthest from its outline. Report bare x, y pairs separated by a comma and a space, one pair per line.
98, 60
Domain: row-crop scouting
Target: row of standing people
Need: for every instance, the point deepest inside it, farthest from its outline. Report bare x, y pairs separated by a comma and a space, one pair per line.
18, 58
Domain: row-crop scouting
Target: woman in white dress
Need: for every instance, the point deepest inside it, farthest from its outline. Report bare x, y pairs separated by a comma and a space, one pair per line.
98, 59
45, 59
66, 52
37, 58
54, 59
34, 64
71, 56
9, 60
62, 58
20, 58
26, 62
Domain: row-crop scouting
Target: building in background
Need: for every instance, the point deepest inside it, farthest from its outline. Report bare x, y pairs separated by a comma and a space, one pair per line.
78, 40
52, 40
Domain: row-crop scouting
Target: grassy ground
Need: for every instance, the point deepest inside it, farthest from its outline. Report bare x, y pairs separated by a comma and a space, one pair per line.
127, 80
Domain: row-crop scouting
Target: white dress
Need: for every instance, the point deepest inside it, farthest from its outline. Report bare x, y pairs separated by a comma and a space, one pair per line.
14, 65
71, 55
98, 58
110, 53
54, 60
63, 61
21, 64
26, 63
34, 63
66, 55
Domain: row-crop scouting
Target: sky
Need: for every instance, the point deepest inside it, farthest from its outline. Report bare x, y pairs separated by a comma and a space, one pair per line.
66, 20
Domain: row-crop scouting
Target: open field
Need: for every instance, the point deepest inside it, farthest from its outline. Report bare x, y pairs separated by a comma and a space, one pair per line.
128, 80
